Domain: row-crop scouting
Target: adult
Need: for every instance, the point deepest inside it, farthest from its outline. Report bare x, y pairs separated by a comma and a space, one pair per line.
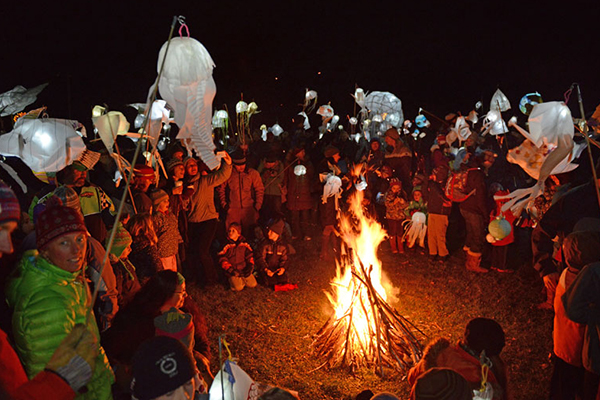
143, 177
97, 207
203, 216
399, 157
242, 195
271, 174
49, 297
298, 181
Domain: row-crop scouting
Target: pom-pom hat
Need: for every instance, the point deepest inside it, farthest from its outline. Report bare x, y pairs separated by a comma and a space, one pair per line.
57, 220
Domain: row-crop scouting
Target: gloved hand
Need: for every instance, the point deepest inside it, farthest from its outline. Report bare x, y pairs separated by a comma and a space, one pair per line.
75, 358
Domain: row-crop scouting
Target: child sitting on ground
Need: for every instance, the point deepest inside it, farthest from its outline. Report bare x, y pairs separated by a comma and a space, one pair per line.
237, 259
272, 258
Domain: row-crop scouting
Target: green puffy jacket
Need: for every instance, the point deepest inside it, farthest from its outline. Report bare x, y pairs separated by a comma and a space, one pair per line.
47, 302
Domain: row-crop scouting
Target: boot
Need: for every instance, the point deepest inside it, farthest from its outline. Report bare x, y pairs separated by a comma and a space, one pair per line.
473, 261
400, 244
393, 244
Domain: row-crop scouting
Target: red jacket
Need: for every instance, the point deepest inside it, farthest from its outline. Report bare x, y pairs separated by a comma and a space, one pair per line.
567, 335
13, 381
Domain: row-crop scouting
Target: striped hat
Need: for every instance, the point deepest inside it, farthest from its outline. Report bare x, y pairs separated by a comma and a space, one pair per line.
9, 204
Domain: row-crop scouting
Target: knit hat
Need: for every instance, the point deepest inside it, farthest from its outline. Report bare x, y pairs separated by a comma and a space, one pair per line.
238, 157
395, 182
392, 133
57, 220
441, 384
330, 151
484, 334
173, 163
189, 159
276, 226
176, 324
417, 189
158, 196
235, 226
143, 171
68, 197
9, 204
160, 365
121, 242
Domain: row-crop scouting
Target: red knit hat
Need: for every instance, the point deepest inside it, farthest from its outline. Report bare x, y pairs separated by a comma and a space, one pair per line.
9, 204
57, 220
143, 171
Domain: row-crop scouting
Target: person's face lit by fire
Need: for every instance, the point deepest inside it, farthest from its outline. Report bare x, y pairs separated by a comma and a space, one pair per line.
6, 230
143, 184
191, 168
67, 252
178, 172
234, 233
79, 177
375, 145
417, 195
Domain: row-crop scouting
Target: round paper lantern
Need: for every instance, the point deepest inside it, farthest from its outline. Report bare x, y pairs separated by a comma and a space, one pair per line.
499, 228
528, 101
419, 218
299, 170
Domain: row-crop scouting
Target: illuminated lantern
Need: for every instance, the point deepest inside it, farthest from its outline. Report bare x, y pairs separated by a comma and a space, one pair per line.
241, 107
529, 101
422, 121
499, 228
325, 111
377, 118
299, 170
311, 94
276, 130
499, 102
353, 121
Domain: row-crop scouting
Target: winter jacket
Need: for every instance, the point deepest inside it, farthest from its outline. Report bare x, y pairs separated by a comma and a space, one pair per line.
202, 203
144, 257
476, 202
415, 206
127, 280
237, 258
272, 179
242, 190
395, 205
567, 335
272, 256
581, 305
98, 210
14, 383
437, 202
168, 235
47, 303
507, 215
299, 187
559, 220
442, 354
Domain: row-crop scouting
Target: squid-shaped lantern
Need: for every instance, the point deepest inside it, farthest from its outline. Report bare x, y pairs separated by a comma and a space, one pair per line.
46, 145
550, 126
187, 85
310, 101
415, 229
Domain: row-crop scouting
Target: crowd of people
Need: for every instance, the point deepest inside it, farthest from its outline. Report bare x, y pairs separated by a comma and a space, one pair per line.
235, 225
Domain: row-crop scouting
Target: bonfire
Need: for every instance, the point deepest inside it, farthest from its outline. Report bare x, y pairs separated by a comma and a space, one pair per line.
364, 330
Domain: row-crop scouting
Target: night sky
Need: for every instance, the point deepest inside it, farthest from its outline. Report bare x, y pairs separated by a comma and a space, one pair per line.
442, 56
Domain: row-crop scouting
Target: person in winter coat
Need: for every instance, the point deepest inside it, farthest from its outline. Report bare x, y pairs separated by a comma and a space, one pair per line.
499, 253
165, 226
49, 296
570, 379
242, 195
144, 177
61, 379
271, 174
272, 256
179, 201
203, 216
398, 156
144, 253
298, 181
237, 260
128, 283
438, 208
482, 343
395, 204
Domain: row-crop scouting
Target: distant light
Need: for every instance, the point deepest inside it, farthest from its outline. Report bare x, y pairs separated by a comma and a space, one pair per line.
319, 73
276, 78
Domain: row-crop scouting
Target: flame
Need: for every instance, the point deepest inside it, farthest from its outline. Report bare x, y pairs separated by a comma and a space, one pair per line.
349, 296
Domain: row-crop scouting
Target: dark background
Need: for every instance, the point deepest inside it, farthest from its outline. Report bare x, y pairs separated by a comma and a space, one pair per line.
442, 56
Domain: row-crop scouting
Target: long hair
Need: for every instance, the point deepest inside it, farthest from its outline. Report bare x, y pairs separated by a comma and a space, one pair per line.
154, 294
141, 225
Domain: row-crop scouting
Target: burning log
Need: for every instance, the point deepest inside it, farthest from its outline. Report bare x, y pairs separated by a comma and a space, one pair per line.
364, 331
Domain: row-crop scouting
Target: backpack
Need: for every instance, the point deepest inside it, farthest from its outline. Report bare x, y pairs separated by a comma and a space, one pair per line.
456, 184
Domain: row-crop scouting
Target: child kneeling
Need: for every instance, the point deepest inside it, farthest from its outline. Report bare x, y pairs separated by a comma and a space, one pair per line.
237, 259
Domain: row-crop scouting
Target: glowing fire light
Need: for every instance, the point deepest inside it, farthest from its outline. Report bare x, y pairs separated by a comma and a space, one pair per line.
364, 329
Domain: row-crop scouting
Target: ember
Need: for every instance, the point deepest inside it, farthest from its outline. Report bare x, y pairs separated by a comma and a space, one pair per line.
364, 330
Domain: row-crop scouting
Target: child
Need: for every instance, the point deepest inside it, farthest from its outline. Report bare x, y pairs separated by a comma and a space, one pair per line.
498, 255
416, 229
417, 204
128, 283
395, 204
237, 259
438, 207
144, 254
167, 231
272, 257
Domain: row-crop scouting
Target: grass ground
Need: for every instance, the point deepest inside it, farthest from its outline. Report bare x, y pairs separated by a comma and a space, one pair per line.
270, 333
